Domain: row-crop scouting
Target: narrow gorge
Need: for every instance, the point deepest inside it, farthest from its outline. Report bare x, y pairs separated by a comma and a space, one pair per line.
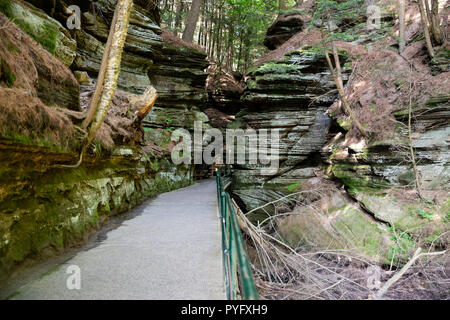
359, 199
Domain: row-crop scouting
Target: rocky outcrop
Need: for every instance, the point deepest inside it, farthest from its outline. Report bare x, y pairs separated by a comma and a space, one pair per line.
27, 66
346, 191
291, 96
286, 26
143, 43
151, 58
336, 222
133, 75
44, 208
374, 171
383, 163
44, 211
174, 68
225, 89
45, 30
179, 76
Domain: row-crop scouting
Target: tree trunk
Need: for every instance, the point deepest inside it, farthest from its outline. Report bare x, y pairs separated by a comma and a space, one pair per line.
435, 22
108, 75
282, 5
401, 15
240, 51
339, 84
428, 11
179, 12
230, 49
192, 19
426, 32
111, 63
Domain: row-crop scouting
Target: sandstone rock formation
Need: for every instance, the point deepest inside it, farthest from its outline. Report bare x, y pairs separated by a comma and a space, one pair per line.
286, 25
292, 96
45, 209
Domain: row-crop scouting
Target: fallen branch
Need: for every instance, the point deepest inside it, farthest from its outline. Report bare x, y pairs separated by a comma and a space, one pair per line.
144, 103
347, 109
405, 268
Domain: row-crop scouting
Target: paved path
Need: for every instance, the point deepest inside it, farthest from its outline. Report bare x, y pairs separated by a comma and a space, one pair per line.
172, 250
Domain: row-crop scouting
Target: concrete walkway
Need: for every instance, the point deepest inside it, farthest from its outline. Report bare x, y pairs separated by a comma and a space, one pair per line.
172, 250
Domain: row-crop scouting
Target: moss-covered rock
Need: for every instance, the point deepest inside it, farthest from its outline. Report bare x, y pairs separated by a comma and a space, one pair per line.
338, 224
414, 217
43, 29
45, 211
26, 66
288, 23
290, 95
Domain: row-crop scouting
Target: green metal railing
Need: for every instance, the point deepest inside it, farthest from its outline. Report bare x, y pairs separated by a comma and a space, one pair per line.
238, 272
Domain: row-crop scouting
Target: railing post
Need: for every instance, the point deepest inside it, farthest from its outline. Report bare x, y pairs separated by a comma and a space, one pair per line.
234, 251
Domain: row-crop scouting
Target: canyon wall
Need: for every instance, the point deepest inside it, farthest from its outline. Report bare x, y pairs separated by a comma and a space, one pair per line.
46, 81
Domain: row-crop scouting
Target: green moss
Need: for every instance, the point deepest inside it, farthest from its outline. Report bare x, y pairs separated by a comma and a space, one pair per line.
279, 68
404, 246
5, 8
353, 191
251, 85
46, 36
293, 187
345, 123
34, 141
353, 176
6, 75
44, 33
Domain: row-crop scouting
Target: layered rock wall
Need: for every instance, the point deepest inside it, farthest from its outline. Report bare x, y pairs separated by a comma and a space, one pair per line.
45, 210
290, 95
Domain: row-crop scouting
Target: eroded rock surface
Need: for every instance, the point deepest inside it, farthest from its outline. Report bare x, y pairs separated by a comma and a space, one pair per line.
291, 96
44, 208
287, 25
43, 211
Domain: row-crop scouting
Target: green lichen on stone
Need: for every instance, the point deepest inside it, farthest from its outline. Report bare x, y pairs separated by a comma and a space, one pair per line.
5, 8
338, 225
33, 140
43, 33
274, 67
63, 206
6, 75
43, 29
353, 176
415, 217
